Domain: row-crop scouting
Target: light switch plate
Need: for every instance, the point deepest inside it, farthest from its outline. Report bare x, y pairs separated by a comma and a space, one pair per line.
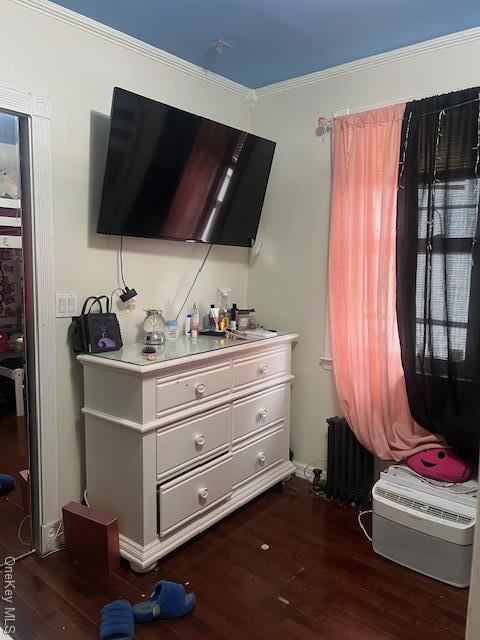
65, 305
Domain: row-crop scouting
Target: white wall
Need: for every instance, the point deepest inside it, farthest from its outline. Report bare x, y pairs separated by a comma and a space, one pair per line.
287, 283
77, 72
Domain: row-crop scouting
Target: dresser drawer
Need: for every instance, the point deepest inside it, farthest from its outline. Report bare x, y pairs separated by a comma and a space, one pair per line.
193, 439
259, 455
187, 389
253, 370
258, 411
193, 493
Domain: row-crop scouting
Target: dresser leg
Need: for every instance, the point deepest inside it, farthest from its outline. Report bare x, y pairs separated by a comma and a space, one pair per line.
139, 569
278, 488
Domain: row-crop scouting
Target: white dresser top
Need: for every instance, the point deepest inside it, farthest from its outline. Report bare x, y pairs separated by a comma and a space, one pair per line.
186, 348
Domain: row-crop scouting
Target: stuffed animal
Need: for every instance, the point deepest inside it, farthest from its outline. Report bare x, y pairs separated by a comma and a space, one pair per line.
440, 464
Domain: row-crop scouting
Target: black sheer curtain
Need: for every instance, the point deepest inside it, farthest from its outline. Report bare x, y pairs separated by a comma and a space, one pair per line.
438, 265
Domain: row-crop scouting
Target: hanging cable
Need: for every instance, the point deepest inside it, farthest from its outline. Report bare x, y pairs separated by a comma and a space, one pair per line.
404, 152
127, 293
477, 179
477, 148
121, 263
19, 532
194, 281
360, 522
115, 291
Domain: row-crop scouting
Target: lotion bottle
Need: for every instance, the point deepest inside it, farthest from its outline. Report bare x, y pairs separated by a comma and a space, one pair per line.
195, 320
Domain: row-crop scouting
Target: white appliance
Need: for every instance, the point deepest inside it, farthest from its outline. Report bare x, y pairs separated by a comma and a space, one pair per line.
425, 525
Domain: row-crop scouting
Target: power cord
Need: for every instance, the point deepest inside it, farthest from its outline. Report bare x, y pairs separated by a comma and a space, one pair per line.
127, 293
194, 281
19, 532
115, 291
360, 522
121, 262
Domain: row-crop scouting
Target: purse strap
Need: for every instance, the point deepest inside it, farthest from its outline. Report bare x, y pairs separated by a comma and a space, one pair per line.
84, 308
96, 299
107, 304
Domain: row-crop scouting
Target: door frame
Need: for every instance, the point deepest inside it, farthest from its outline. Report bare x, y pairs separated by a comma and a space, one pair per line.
37, 234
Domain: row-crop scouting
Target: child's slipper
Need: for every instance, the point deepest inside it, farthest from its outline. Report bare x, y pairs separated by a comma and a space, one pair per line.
168, 600
116, 621
7, 484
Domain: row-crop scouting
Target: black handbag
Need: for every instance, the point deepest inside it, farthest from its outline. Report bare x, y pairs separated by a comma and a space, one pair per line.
95, 332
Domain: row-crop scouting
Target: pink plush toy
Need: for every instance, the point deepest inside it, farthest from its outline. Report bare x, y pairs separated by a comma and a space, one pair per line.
440, 464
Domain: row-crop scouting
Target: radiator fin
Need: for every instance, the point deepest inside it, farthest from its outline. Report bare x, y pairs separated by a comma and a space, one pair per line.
349, 466
423, 507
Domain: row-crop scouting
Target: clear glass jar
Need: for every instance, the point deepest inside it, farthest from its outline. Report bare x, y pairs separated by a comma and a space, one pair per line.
153, 326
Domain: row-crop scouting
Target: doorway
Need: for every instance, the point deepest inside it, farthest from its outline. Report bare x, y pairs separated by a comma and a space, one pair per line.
36, 222
16, 538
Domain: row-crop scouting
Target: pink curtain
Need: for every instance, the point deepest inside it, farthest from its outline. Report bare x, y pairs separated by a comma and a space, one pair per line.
362, 285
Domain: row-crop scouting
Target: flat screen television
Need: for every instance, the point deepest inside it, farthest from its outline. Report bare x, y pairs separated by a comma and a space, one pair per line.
175, 175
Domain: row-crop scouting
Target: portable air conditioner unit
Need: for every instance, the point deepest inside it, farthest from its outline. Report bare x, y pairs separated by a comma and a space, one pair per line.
426, 527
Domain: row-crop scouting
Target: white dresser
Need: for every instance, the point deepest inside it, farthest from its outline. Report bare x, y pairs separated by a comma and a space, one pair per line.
174, 445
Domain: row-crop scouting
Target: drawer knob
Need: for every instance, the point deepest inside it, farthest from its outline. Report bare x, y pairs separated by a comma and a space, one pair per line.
261, 457
263, 414
203, 493
200, 389
264, 368
200, 441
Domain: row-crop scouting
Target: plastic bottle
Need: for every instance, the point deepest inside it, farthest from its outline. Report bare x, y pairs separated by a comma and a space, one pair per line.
233, 318
224, 306
210, 323
188, 324
171, 330
195, 320
170, 323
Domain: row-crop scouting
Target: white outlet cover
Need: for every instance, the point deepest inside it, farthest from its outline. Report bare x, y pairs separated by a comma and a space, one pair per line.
65, 305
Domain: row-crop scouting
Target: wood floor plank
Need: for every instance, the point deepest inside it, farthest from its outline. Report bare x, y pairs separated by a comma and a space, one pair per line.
13, 459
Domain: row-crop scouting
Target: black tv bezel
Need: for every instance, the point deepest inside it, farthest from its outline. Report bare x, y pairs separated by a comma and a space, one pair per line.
169, 238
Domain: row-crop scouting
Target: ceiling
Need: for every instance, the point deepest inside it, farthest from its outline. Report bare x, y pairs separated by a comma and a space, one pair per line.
274, 40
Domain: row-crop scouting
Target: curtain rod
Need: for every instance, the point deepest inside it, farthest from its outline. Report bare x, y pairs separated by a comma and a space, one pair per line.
324, 125
386, 103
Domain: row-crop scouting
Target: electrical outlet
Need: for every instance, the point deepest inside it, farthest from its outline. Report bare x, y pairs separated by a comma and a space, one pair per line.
65, 305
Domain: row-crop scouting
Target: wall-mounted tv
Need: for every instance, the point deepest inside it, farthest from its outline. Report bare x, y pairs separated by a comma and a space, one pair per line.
175, 175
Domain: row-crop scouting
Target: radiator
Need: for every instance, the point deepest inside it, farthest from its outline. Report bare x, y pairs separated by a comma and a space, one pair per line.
349, 465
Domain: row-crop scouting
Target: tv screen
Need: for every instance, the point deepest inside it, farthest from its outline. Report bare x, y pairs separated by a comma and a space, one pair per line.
175, 175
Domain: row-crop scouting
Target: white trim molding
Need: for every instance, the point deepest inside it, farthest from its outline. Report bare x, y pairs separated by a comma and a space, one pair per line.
42, 392
443, 42
69, 17
73, 19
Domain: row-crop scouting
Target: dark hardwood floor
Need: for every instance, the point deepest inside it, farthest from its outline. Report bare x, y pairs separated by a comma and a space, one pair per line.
319, 579
13, 458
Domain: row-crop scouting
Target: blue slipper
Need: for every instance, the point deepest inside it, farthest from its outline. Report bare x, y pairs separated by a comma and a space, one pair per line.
116, 621
168, 600
7, 484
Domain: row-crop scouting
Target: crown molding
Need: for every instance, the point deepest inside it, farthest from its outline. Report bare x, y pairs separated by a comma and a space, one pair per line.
251, 96
443, 42
109, 34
